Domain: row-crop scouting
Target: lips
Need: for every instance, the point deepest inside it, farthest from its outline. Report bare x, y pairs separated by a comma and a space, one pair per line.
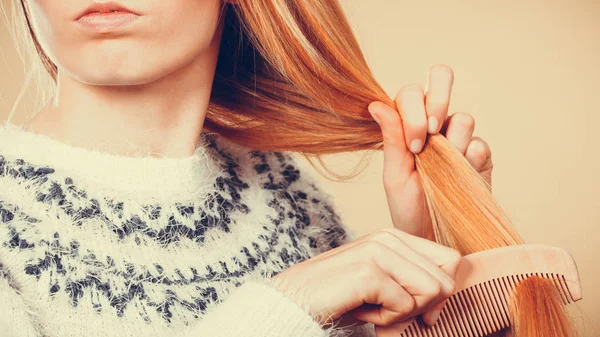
105, 7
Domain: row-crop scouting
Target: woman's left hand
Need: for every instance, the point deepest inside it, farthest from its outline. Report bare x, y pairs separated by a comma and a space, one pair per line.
405, 128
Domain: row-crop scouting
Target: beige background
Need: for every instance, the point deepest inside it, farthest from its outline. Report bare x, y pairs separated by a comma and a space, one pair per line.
529, 71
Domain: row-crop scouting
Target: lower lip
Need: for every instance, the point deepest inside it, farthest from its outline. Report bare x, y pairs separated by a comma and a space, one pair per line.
107, 22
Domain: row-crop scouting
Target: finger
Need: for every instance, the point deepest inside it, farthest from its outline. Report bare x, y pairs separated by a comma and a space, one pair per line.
410, 102
395, 243
459, 131
424, 288
444, 257
394, 303
427, 289
431, 311
413, 278
348, 318
431, 316
478, 153
398, 162
437, 97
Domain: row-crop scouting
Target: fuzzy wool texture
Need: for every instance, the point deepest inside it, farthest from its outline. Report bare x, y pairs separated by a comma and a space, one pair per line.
97, 244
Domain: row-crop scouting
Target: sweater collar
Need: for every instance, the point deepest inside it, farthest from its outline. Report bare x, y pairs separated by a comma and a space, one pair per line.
148, 178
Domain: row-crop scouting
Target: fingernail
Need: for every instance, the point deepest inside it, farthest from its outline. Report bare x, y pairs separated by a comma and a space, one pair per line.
432, 124
416, 145
435, 315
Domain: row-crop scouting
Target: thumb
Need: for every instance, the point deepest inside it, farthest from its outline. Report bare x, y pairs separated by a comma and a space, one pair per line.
398, 160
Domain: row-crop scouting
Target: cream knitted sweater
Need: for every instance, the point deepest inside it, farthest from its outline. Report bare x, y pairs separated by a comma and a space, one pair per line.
97, 244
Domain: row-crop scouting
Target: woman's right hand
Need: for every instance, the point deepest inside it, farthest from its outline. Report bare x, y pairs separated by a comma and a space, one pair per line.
380, 278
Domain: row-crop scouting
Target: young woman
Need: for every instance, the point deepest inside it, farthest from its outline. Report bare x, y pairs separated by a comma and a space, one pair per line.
154, 194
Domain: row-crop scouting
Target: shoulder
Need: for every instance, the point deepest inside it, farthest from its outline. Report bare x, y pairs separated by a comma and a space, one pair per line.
290, 182
21, 190
315, 207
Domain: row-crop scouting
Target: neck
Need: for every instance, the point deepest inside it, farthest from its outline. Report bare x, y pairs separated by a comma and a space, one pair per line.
162, 118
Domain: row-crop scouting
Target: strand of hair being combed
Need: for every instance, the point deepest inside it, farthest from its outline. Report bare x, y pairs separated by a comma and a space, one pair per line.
466, 216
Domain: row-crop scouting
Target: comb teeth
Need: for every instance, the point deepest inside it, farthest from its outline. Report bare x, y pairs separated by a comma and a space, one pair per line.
482, 309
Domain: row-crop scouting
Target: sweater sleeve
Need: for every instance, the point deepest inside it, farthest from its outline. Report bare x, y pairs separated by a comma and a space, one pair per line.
256, 309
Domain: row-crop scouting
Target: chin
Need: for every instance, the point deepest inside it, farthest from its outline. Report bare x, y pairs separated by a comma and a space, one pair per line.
108, 77
135, 69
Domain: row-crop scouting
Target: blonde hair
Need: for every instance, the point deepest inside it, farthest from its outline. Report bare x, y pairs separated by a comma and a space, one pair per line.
292, 77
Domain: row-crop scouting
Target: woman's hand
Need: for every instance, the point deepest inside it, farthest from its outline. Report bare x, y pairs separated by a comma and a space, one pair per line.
405, 128
381, 278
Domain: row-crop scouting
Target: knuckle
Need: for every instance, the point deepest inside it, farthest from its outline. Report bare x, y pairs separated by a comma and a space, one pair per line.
403, 308
394, 129
479, 148
389, 318
437, 101
413, 87
482, 141
435, 289
451, 290
390, 139
407, 306
464, 119
367, 273
409, 88
393, 123
374, 248
454, 257
392, 230
384, 234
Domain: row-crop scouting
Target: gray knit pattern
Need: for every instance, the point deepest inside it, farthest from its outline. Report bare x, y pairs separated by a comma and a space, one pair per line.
83, 258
